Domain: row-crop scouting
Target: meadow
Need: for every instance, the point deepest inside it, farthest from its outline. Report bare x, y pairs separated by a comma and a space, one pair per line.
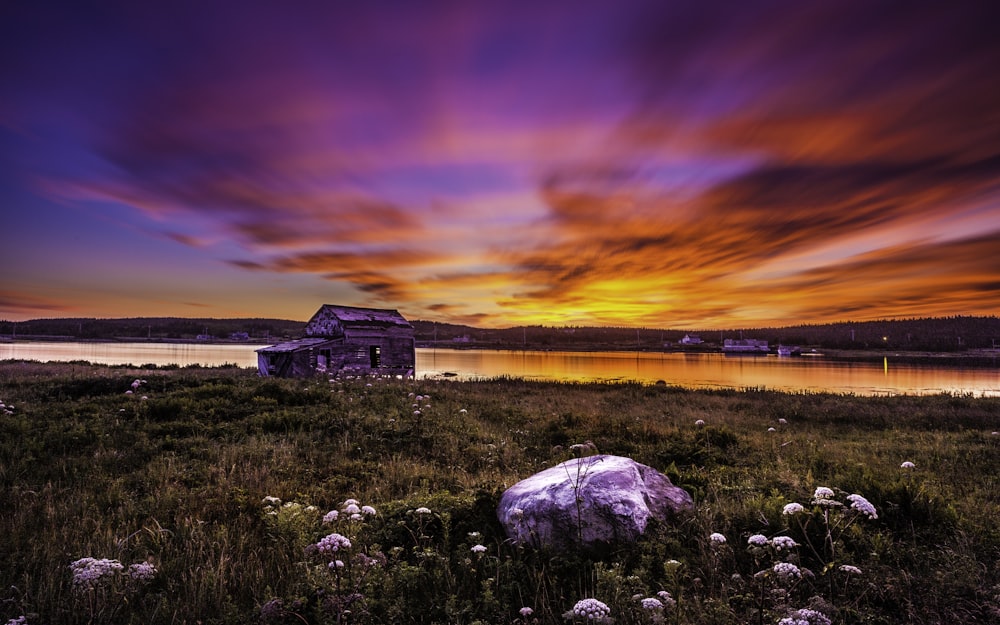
213, 496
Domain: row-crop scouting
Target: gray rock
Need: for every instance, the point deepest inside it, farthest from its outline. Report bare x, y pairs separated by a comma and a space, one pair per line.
590, 502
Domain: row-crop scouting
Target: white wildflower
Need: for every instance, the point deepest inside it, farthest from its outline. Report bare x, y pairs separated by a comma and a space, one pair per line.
907, 465
805, 616
271, 501
792, 508
336, 564
652, 604
782, 421
90, 572
464, 411
332, 543
525, 612
823, 493
478, 549
863, 506
700, 422
757, 540
351, 502
787, 570
771, 430
591, 609
823, 497
782, 543
422, 510
330, 516
850, 570
352, 508
666, 599
474, 535
717, 538
21, 620
142, 571
356, 516
368, 511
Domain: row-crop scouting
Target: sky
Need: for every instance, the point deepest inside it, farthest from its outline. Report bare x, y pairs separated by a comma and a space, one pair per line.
681, 164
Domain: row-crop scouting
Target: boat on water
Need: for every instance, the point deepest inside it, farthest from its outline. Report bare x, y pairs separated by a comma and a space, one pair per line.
789, 350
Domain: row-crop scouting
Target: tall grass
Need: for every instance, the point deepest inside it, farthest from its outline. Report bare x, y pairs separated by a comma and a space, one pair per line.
179, 478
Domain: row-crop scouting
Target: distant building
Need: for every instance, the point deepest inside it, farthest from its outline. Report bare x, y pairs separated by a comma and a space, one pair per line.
345, 339
745, 346
691, 339
239, 336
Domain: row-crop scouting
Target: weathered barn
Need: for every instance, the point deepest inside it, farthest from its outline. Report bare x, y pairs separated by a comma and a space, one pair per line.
345, 339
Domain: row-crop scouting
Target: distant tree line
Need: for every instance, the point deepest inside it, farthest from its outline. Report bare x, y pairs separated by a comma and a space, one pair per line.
947, 334
940, 334
153, 328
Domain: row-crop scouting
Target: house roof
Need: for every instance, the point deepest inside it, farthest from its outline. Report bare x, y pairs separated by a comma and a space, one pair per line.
351, 316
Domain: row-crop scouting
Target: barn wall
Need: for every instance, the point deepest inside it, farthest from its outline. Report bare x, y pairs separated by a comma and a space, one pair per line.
396, 346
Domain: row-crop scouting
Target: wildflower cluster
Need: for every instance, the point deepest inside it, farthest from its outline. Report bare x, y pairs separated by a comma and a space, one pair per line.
143, 572
89, 573
793, 508
589, 609
666, 599
331, 544
824, 498
787, 571
863, 506
805, 616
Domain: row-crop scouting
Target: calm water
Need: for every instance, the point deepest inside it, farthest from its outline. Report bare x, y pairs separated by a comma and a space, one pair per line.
690, 370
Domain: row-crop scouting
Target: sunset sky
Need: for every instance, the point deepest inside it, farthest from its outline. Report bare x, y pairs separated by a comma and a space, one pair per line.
662, 164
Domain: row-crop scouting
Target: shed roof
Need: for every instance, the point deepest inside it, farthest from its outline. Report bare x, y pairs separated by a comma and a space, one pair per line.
291, 346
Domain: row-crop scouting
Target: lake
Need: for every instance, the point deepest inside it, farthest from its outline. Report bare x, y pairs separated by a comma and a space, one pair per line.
809, 374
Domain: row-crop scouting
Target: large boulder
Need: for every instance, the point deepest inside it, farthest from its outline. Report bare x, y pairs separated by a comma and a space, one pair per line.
590, 503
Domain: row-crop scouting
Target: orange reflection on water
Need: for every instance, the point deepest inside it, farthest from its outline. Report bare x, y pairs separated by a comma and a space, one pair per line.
712, 371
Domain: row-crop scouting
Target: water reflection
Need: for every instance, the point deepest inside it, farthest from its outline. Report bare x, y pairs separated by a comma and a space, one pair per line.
160, 354
680, 369
713, 371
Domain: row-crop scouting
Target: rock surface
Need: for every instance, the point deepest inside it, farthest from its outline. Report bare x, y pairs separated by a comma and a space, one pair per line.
589, 502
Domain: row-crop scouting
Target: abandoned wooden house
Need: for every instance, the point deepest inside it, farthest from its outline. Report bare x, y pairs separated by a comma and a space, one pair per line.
345, 340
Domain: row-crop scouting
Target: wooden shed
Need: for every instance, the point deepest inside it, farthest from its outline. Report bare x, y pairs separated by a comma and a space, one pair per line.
345, 339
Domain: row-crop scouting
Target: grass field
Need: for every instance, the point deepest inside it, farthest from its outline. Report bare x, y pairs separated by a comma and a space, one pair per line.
201, 497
